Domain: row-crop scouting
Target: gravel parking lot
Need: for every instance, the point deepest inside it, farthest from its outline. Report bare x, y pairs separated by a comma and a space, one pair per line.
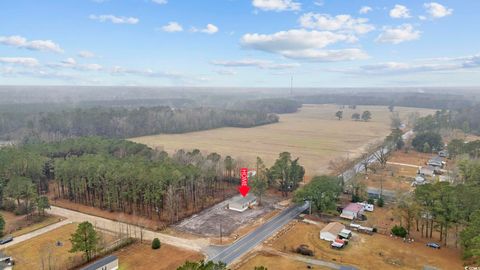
208, 222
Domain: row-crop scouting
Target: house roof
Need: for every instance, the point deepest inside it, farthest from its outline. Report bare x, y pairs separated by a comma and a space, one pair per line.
353, 207
333, 227
100, 263
240, 200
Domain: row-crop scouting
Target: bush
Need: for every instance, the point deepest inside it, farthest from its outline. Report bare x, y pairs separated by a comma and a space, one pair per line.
399, 231
380, 202
370, 201
156, 243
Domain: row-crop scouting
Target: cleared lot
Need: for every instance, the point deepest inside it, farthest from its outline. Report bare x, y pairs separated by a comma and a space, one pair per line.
208, 222
313, 134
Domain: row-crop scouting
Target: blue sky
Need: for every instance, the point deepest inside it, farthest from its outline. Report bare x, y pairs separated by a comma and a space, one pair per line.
241, 43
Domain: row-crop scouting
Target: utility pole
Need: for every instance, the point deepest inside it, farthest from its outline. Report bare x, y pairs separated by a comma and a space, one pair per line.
220, 232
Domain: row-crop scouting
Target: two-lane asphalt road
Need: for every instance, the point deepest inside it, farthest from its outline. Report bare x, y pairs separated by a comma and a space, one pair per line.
247, 243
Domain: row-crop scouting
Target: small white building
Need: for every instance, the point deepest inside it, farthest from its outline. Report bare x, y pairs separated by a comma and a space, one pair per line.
107, 263
240, 203
331, 231
352, 211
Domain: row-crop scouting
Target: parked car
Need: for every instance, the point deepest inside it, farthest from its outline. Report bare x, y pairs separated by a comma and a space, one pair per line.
433, 245
6, 240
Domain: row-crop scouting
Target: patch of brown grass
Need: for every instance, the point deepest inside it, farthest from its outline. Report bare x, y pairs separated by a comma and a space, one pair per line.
43, 251
313, 134
18, 225
142, 257
274, 262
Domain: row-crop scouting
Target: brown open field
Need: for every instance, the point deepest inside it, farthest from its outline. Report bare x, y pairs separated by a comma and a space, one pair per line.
143, 257
369, 252
18, 225
313, 134
42, 250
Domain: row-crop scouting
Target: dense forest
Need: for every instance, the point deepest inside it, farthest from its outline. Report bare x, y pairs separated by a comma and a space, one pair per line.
415, 100
123, 176
124, 123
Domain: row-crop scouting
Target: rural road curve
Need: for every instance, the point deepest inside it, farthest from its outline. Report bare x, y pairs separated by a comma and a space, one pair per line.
30, 235
116, 226
245, 244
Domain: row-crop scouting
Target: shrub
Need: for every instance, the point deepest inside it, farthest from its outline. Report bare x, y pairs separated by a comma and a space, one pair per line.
370, 201
156, 243
380, 202
399, 231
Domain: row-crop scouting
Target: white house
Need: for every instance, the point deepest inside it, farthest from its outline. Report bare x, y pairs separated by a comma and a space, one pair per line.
241, 204
331, 231
107, 263
352, 211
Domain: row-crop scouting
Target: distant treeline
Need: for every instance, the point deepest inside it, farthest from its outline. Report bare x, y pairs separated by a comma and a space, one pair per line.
466, 119
124, 123
271, 105
416, 100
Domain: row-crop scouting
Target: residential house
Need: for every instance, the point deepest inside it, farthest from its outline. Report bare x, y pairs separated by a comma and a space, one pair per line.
428, 171
331, 231
352, 211
436, 162
241, 204
107, 263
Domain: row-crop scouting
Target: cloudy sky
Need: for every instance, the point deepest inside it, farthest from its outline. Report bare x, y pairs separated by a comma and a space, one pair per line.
320, 43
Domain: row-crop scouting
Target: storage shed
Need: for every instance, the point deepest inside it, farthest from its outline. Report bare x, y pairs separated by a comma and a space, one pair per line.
331, 231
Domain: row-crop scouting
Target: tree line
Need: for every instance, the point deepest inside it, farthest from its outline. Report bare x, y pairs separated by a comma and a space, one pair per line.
123, 176
125, 123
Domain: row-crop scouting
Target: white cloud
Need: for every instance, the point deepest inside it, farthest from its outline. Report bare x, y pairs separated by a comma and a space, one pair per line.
303, 44
337, 23
262, 64
400, 12
418, 66
226, 72
71, 63
36, 45
436, 10
209, 29
114, 19
396, 35
172, 27
365, 10
319, 3
160, 2
23, 61
86, 54
276, 5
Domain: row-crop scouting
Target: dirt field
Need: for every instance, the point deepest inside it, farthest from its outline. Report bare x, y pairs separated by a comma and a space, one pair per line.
313, 134
412, 157
207, 222
143, 257
42, 250
393, 177
18, 225
369, 252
